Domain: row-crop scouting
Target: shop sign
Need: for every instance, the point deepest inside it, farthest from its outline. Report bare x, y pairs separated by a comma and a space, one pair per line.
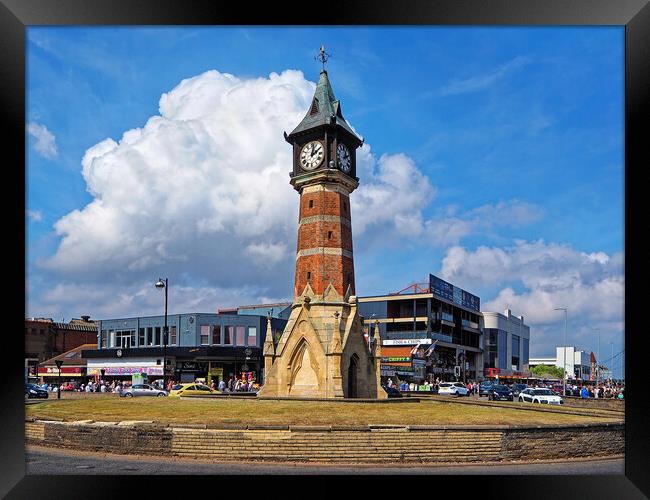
397, 368
387, 373
130, 370
419, 362
405, 341
438, 369
53, 370
396, 359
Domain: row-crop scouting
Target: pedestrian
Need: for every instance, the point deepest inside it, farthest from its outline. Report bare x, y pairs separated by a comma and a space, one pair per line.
222, 386
584, 394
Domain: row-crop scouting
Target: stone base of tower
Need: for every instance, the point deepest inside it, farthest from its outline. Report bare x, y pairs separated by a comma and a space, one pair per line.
322, 352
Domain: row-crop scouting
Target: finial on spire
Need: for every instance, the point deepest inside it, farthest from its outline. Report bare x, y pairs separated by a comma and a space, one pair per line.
322, 56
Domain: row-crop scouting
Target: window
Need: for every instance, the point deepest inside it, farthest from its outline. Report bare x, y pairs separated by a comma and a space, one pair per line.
241, 332
133, 344
173, 336
230, 335
205, 335
308, 275
329, 235
156, 340
252, 336
143, 337
111, 338
123, 338
216, 334
311, 203
149, 336
515, 352
103, 339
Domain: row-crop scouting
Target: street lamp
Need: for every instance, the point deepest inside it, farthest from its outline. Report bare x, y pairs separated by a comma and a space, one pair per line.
165, 285
59, 362
565, 346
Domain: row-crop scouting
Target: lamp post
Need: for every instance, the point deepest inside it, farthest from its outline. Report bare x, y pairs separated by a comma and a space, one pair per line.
565, 346
164, 284
598, 358
59, 362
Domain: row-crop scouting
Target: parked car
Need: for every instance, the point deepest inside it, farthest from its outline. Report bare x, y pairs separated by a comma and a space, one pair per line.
392, 392
142, 390
541, 396
517, 388
485, 388
189, 389
32, 391
453, 389
499, 393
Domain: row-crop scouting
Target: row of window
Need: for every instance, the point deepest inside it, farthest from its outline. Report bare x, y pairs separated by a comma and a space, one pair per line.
228, 335
153, 336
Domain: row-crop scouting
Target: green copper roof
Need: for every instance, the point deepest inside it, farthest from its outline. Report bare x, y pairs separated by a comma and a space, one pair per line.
325, 109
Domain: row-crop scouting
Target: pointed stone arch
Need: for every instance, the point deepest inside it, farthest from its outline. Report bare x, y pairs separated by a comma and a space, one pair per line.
353, 376
304, 373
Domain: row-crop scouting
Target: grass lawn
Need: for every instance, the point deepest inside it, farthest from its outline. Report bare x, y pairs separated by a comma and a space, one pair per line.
231, 411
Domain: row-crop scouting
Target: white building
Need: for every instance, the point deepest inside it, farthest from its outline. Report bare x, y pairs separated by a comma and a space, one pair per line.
506, 340
577, 364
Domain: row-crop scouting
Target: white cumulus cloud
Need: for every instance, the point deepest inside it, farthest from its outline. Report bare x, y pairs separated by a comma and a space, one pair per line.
44, 140
550, 276
201, 193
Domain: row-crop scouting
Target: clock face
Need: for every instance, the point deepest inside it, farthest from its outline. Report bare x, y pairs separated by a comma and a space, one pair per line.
344, 158
311, 155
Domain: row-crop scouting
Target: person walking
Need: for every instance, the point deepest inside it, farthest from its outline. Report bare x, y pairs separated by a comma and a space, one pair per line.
222, 386
584, 394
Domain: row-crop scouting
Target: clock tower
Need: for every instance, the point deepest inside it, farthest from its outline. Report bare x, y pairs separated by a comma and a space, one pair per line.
323, 351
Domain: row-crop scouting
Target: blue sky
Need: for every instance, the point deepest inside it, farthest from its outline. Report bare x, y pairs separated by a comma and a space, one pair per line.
514, 137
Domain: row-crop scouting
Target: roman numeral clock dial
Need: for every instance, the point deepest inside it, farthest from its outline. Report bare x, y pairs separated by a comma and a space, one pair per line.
344, 158
311, 155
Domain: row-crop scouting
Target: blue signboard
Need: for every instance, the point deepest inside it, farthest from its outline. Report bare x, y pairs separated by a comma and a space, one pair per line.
454, 294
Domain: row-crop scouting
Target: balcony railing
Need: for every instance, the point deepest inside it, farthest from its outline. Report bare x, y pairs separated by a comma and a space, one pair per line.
447, 317
470, 324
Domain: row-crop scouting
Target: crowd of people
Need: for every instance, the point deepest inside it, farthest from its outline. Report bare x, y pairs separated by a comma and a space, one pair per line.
91, 386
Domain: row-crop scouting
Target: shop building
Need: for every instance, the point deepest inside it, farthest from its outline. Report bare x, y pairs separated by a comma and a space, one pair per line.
427, 330
199, 346
506, 343
46, 338
73, 367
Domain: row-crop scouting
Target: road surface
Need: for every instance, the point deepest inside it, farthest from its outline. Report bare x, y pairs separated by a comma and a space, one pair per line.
42, 460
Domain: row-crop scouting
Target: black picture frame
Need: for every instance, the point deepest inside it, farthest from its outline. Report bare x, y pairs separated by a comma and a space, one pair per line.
634, 15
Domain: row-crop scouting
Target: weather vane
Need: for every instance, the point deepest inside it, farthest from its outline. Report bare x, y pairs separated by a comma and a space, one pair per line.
322, 56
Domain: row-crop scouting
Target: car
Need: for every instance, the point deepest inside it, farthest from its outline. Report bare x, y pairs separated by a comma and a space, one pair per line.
32, 391
540, 396
517, 388
500, 392
189, 389
485, 388
142, 390
392, 392
453, 389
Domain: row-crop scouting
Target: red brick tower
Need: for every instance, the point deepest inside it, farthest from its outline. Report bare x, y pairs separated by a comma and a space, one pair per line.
322, 351
324, 173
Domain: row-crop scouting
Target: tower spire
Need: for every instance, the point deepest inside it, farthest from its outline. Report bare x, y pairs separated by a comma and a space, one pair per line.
322, 57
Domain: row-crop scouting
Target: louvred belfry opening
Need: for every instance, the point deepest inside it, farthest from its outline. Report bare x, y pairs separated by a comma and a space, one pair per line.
324, 251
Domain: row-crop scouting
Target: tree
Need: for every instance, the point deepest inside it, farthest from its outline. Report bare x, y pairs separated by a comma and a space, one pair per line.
547, 371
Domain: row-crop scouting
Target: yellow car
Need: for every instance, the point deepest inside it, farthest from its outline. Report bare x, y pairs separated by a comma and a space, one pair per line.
191, 389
